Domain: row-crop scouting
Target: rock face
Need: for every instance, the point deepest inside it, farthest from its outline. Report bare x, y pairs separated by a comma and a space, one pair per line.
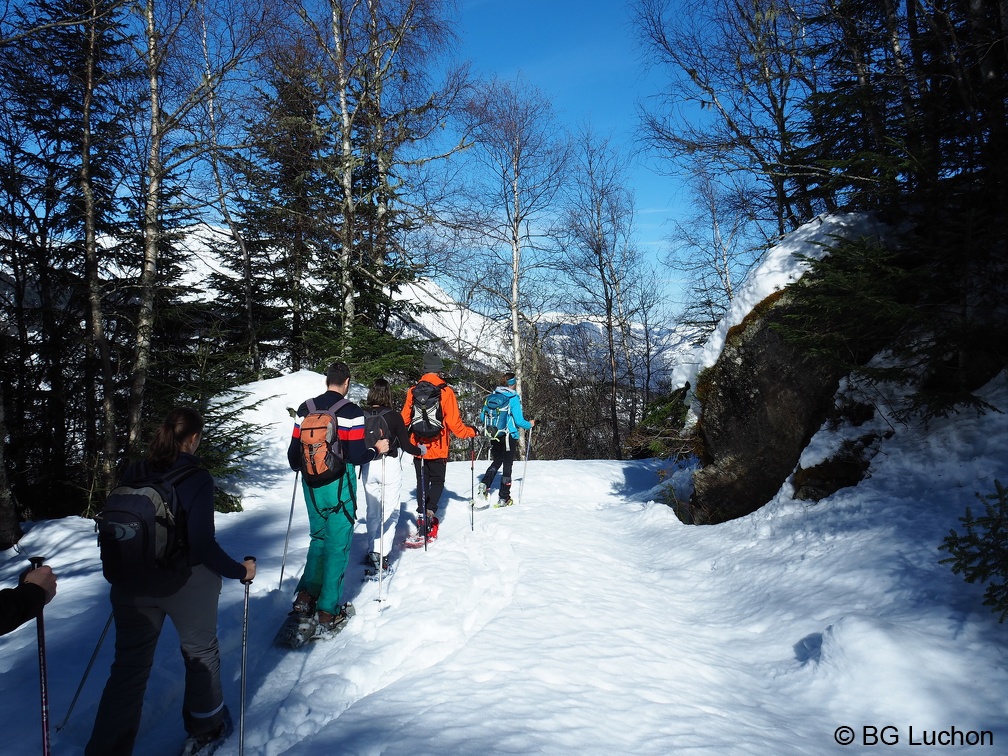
761, 403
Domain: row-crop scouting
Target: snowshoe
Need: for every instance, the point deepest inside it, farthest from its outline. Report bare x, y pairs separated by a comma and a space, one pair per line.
328, 630
482, 500
371, 572
296, 630
417, 540
206, 744
503, 503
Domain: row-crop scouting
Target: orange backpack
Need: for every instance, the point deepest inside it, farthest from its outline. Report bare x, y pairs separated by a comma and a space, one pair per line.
321, 451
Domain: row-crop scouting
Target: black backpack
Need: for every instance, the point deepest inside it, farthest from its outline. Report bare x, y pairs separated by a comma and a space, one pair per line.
376, 427
142, 534
427, 418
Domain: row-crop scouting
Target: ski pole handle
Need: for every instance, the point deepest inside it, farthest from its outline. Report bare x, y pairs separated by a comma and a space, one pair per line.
247, 559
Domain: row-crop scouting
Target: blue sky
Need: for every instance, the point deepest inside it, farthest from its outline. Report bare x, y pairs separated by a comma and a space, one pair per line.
583, 55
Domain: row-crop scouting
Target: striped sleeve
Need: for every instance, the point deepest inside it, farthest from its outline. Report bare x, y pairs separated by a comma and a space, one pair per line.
294, 449
351, 433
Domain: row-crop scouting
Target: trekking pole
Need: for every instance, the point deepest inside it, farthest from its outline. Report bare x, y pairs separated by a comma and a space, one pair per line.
289, 521
241, 714
87, 671
528, 448
423, 503
36, 562
381, 533
472, 484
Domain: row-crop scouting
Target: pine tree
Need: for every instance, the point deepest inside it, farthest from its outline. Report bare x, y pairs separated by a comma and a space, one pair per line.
59, 87
980, 554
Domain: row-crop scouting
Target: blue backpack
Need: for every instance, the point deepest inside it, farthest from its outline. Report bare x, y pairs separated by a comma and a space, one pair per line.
496, 408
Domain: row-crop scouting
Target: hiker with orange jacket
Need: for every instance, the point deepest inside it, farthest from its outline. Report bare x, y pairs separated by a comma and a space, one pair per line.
443, 421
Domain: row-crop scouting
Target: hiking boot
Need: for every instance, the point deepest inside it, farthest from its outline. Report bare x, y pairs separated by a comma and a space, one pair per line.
482, 490
432, 528
204, 744
504, 502
304, 605
374, 574
371, 560
329, 625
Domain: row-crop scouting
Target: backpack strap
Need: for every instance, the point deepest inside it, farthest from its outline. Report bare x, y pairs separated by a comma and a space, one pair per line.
351, 516
171, 478
178, 477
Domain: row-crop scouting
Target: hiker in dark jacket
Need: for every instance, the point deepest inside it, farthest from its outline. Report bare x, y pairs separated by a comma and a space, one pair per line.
191, 606
504, 442
18, 605
332, 507
382, 478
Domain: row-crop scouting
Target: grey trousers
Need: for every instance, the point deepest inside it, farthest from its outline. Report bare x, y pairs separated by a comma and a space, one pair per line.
138, 622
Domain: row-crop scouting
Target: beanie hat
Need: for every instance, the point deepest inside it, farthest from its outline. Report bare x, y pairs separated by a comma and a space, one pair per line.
432, 363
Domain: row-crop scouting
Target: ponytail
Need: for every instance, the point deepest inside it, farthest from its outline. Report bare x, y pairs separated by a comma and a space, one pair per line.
181, 423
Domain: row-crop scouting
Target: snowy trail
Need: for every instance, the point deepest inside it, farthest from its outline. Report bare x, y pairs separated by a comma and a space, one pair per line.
420, 622
579, 602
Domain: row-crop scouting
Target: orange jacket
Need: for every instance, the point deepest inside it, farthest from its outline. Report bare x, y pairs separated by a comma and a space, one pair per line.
453, 423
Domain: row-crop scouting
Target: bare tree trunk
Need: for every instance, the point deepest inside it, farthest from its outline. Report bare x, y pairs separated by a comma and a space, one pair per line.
341, 29
151, 233
10, 523
225, 209
105, 468
516, 213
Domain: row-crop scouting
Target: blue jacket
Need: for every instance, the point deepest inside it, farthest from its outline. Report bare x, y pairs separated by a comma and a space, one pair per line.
515, 416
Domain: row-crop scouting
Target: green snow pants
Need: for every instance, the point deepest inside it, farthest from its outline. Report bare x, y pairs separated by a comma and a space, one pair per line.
331, 518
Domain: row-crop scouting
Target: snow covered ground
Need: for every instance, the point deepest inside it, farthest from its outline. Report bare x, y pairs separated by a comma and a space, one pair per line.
587, 619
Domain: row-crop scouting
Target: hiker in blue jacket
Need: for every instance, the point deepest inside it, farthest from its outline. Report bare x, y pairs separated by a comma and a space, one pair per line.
502, 424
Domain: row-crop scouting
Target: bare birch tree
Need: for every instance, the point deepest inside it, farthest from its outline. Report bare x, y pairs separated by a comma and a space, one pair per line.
178, 83
601, 260
520, 164
384, 106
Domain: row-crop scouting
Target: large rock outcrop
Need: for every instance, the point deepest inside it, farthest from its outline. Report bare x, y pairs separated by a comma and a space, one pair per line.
761, 402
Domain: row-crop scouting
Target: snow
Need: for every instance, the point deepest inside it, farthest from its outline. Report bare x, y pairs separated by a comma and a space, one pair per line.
585, 619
